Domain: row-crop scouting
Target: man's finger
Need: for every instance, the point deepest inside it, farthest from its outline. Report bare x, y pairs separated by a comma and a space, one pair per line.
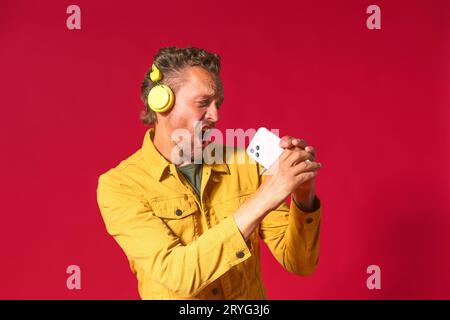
306, 176
311, 150
298, 155
285, 142
288, 142
306, 166
299, 143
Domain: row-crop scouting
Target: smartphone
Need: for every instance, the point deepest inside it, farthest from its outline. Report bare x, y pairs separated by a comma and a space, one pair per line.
264, 147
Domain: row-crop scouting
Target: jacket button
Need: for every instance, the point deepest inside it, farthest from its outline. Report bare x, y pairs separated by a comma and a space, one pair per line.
240, 254
215, 291
309, 220
178, 212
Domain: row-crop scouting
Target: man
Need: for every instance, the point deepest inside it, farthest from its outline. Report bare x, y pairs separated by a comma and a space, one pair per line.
189, 230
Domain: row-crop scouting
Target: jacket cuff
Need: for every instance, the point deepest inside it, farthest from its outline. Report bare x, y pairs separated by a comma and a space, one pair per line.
309, 219
316, 205
236, 247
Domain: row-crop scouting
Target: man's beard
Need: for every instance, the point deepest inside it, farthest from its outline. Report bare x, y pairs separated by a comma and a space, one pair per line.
190, 148
200, 142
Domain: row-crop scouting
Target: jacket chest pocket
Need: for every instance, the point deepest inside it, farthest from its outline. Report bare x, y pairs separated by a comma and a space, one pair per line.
179, 214
227, 207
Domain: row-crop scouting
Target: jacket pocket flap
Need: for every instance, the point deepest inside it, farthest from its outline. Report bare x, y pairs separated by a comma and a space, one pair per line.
174, 208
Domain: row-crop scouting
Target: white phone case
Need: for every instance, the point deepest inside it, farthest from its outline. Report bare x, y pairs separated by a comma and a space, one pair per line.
264, 147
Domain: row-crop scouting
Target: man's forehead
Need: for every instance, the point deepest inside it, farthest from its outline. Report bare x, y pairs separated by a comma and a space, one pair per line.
203, 81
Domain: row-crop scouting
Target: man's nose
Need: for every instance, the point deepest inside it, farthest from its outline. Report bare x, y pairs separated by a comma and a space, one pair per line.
212, 114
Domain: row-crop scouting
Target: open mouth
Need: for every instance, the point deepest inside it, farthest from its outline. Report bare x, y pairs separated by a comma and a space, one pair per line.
206, 136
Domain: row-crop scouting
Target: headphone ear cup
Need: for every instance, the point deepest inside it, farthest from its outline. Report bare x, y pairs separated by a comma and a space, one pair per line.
160, 98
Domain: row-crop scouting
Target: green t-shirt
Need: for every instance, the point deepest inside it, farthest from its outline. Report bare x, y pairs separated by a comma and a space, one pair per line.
193, 173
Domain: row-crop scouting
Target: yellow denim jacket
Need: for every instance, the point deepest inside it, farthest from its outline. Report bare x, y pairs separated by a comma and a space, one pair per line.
182, 246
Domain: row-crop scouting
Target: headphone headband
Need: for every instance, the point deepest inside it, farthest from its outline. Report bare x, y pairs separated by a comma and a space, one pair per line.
156, 74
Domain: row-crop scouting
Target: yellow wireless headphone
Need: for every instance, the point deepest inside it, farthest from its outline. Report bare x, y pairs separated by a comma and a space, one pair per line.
161, 97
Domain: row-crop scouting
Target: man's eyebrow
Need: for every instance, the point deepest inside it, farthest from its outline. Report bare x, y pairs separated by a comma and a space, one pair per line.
208, 96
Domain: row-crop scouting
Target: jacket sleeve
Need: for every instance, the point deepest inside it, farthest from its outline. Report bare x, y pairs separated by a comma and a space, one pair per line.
293, 237
152, 247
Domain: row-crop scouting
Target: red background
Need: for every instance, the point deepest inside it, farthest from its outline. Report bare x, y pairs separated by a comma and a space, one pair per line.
375, 104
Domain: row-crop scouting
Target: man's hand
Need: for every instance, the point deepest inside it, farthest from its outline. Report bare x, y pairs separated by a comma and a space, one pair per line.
305, 193
290, 174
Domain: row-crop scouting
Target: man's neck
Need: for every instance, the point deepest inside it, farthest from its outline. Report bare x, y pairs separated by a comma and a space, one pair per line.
165, 145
